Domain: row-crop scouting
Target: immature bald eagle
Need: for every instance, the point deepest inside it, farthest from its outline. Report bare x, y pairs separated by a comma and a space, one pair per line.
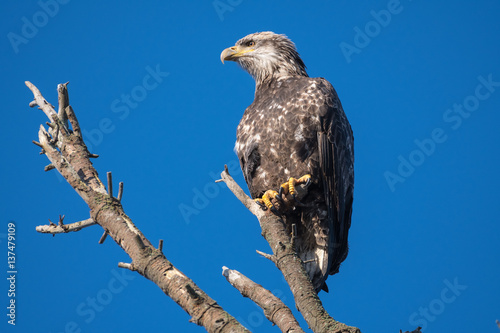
296, 126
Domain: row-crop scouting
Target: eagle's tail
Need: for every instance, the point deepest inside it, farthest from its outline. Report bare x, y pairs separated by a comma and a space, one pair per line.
312, 244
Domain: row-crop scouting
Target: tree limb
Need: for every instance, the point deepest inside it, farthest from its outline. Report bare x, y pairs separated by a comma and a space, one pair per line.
58, 229
289, 263
63, 99
68, 153
274, 309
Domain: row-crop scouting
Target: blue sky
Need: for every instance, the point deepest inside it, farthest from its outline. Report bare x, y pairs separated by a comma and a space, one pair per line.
419, 81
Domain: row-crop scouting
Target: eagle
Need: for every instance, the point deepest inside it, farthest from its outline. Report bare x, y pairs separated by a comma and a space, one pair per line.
296, 132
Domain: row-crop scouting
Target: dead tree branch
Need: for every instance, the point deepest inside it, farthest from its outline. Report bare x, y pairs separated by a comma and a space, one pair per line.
58, 229
274, 309
68, 153
289, 263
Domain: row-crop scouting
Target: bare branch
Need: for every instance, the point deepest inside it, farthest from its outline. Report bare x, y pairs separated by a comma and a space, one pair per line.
58, 229
110, 183
127, 266
63, 100
37, 143
62, 96
103, 237
49, 167
253, 207
71, 159
48, 109
45, 106
267, 256
61, 220
289, 263
274, 309
120, 191
73, 121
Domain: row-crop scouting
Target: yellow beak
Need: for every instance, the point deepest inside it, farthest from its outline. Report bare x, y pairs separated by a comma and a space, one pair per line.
233, 52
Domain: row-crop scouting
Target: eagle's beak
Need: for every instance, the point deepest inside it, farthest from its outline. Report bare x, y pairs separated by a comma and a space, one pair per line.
229, 54
233, 52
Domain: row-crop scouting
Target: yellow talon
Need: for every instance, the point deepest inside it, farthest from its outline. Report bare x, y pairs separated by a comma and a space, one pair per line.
291, 185
265, 201
259, 201
304, 179
287, 187
270, 194
284, 186
292, 182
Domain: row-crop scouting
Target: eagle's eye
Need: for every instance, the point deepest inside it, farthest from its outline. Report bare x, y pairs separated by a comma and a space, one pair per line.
250, 43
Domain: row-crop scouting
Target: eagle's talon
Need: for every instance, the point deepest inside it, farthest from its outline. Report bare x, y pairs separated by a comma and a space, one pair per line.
279, 197
297, 201
265, 201
289, 186
260, 202
286, 188
275, 211
308, 181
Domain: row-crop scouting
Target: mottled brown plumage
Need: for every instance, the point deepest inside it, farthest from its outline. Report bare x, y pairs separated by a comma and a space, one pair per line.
296, 126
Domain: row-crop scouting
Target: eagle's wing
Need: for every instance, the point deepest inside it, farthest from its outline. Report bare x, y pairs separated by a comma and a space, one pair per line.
336, 156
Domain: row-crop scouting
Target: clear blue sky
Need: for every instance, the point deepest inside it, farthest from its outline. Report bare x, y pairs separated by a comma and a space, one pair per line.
419, 81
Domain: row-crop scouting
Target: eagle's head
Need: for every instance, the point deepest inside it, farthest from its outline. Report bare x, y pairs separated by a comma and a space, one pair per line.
266, 55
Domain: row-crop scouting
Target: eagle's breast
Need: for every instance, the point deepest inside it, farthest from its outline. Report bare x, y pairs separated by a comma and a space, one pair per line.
277, 136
